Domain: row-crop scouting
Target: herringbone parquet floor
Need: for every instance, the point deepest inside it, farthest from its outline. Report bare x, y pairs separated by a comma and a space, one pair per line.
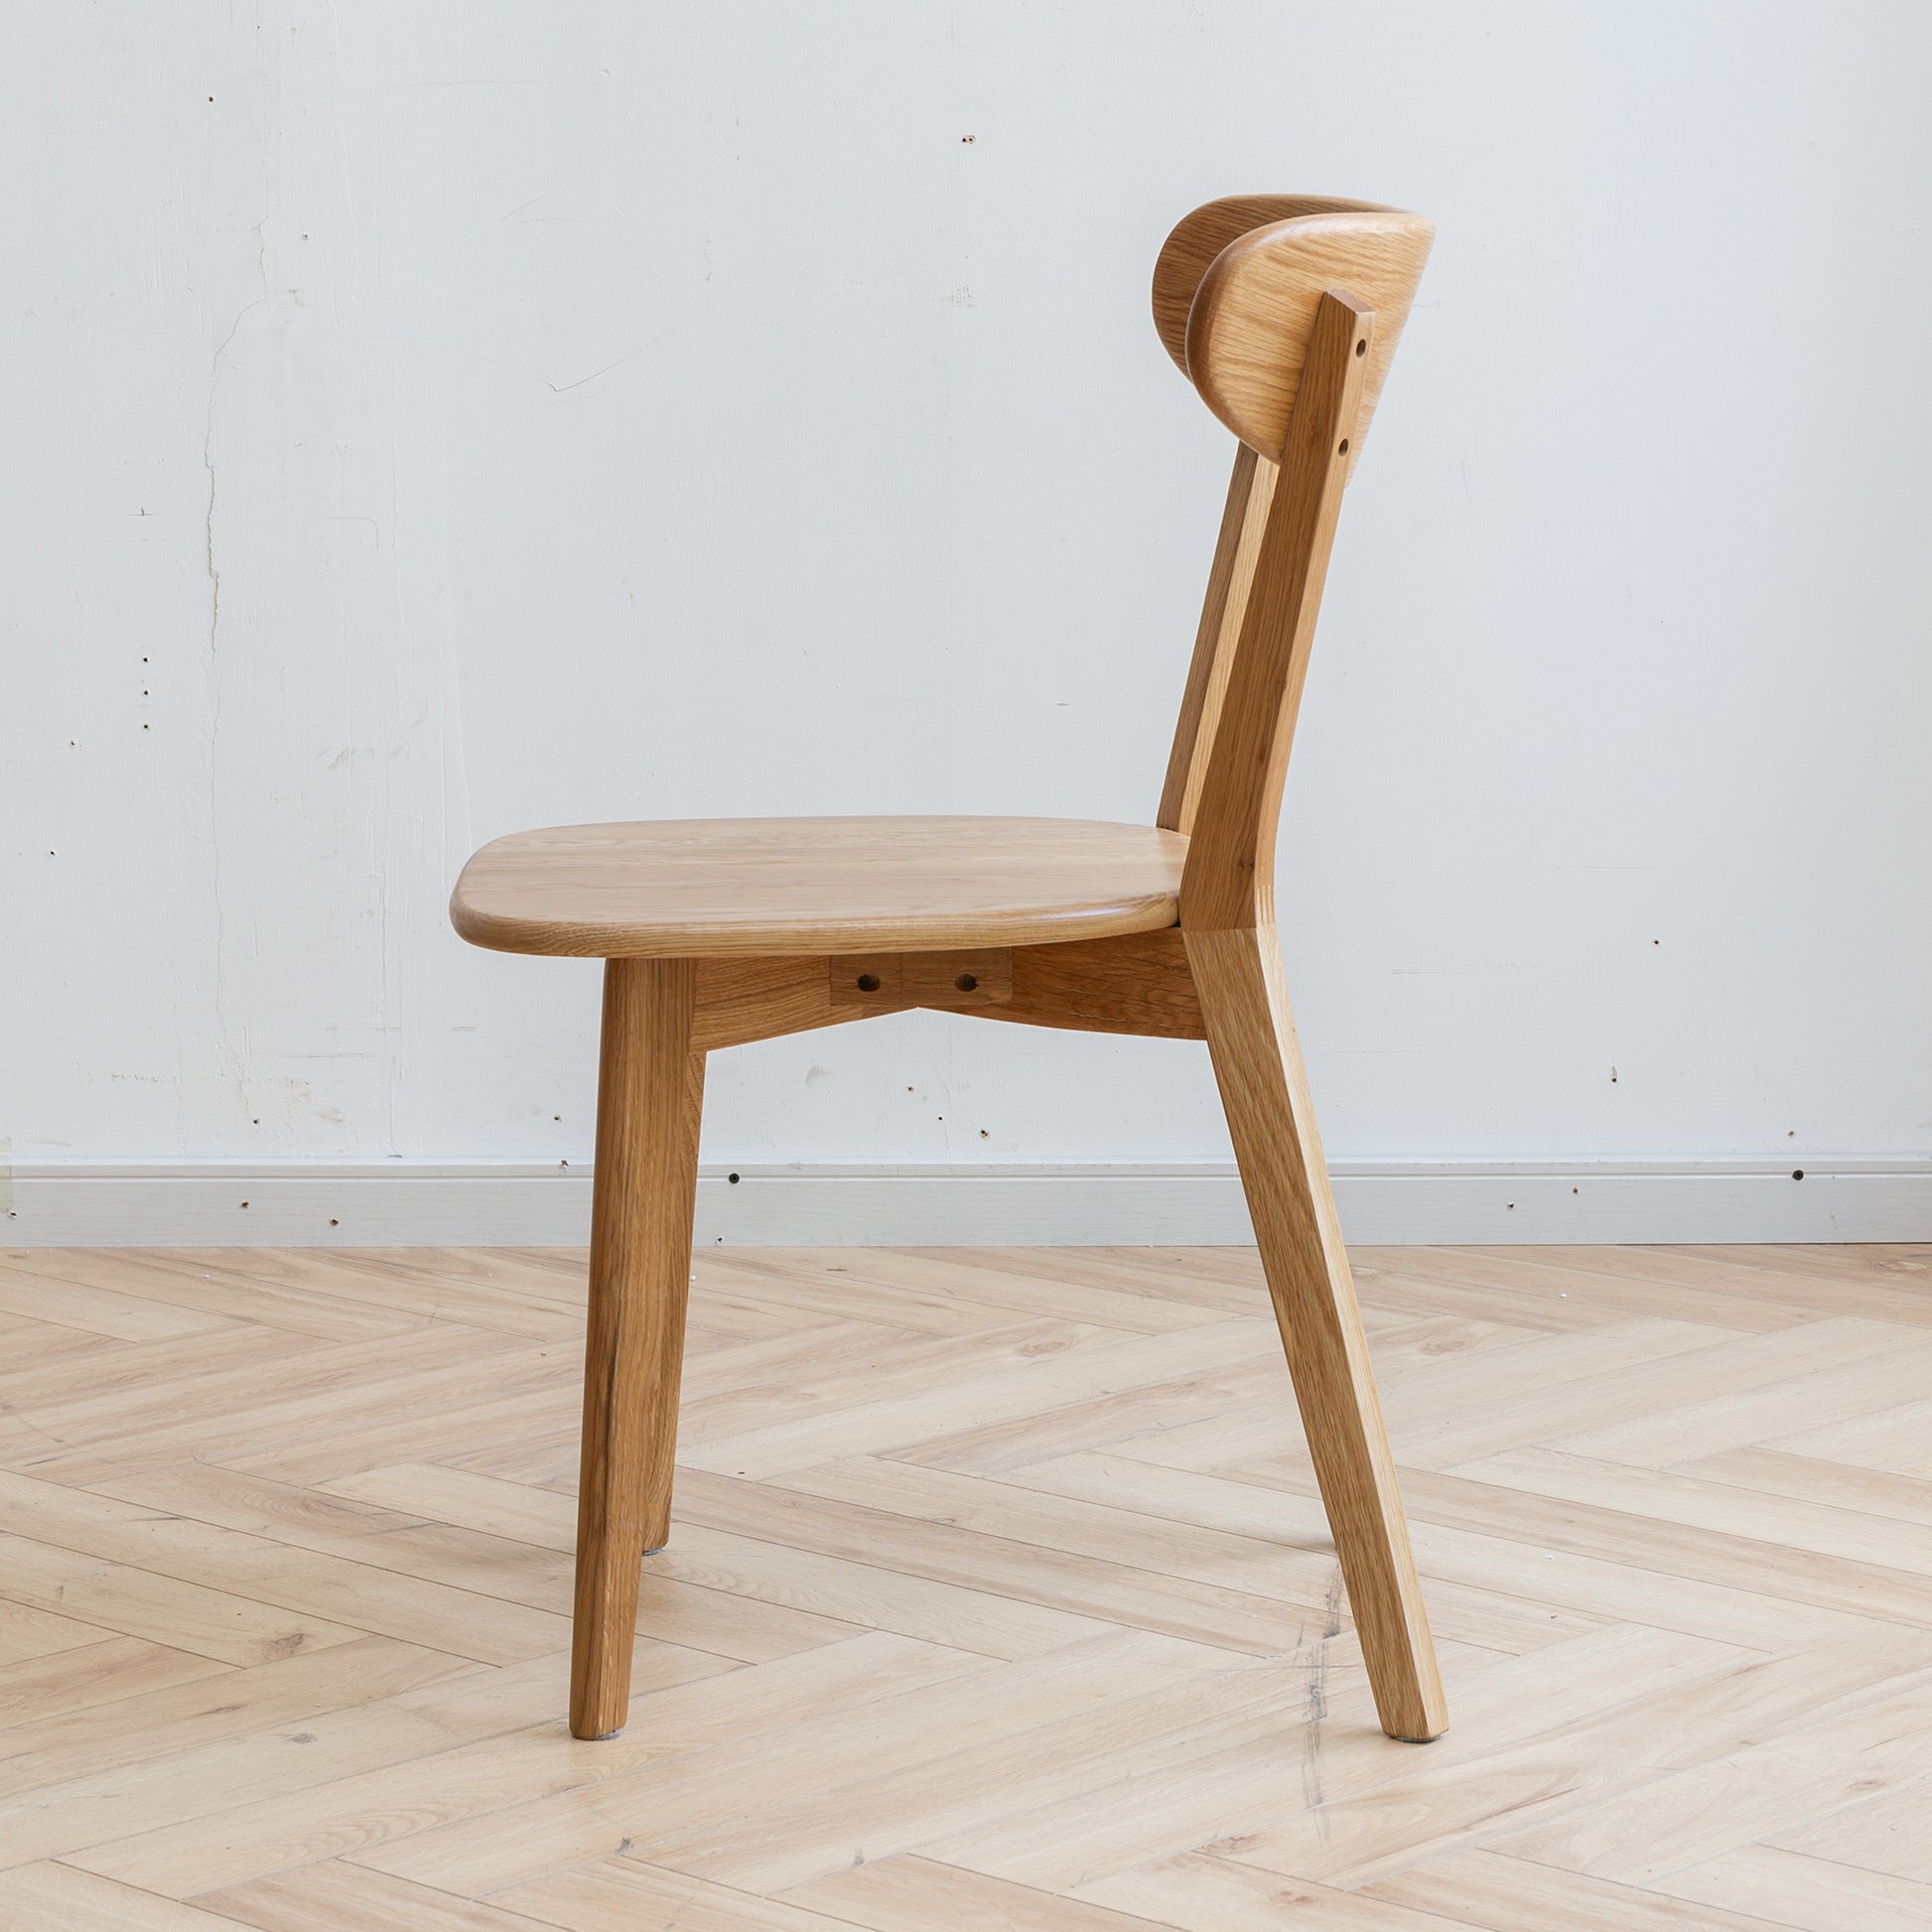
999, 1598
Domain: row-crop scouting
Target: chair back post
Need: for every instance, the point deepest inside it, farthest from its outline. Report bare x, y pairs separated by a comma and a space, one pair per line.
1284, 311
1229, 878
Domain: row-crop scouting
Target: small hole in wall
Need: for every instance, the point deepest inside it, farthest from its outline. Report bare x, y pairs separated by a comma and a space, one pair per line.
333, 1222
1797, 1173
1361, 347
732, 1178
245, 1203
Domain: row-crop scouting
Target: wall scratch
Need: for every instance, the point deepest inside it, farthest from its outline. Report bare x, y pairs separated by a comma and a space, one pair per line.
223, 1031
208, 464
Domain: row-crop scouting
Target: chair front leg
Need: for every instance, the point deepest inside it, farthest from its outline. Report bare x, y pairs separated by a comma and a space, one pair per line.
1264, 1088
650, 1088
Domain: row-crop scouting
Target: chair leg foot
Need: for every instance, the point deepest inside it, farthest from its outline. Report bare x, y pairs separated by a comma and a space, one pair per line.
650, 1096
1264, 1088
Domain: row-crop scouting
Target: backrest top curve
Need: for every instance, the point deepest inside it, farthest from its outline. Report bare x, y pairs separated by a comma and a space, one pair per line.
1236, 291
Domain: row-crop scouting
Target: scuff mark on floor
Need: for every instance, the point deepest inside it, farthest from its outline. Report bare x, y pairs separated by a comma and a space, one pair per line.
1312, 1735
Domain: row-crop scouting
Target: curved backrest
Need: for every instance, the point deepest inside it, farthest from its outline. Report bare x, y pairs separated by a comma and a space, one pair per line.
1284, 310
1236, 291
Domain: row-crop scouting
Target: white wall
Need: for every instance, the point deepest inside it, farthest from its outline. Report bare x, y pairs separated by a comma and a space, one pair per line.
429, 421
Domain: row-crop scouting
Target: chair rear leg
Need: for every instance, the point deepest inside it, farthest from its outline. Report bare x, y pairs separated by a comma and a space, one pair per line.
651, 1089
1264, 1088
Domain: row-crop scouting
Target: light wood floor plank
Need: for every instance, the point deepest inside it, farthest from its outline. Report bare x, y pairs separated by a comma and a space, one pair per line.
363, 1774
625, 1895
697, 1791
1645, 1390
162, 1609
1897, 1439
1674, 1496
910, 1894
57, 1748
1509, 1896
1889, 1832
1740, 1563
998, 1595
95, 1673
266, 1571
236, 1281
121, 1373
1813, 1894
1608, 1283
99, 1310
922, 1800
1237, 1786
870, 1426
1808, 1480
747, 1568
1070, 1580
1819, 1398
335, 1897
50, 1896
1663, 1824
26, 1632
1489, 1616
1207, 1894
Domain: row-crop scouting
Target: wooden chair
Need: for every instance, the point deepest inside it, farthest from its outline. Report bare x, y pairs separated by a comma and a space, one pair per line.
1284, 311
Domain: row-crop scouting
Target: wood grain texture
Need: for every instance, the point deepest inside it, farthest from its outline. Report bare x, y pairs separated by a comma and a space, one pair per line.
741, 1000
1139, 984
1135, 983
704, 888
1198, 237
957, 980
1030, 1630
1271, 1114
1250, 325
1230, 869
1244, 520
649, 1097
720, 931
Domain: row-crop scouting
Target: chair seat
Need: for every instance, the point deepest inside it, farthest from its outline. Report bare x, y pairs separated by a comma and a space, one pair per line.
700, 887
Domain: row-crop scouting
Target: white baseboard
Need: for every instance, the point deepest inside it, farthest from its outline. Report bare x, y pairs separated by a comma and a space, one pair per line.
488, 1204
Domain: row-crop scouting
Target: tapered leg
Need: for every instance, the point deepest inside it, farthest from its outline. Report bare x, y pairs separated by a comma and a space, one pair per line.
649, 1094
1264, 1088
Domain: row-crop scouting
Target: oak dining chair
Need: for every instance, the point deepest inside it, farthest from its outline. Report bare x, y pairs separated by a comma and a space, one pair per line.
1284, 311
